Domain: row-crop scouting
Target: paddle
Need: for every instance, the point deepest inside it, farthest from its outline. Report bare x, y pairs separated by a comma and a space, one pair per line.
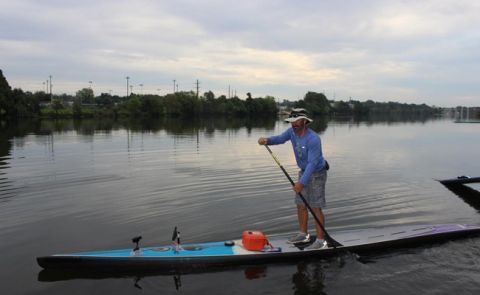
328, 238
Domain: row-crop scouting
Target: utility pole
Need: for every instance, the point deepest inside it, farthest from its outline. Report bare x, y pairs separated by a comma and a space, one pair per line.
197, 87
128, 78
51, 97
91, 88
174, 85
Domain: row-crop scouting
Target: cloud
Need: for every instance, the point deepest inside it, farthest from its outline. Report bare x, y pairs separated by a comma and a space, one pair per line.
416, 51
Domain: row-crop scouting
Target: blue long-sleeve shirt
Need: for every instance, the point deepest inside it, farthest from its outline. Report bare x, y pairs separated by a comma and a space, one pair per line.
307, 150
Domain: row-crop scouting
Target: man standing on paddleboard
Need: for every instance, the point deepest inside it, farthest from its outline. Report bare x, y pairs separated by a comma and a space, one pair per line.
307, 148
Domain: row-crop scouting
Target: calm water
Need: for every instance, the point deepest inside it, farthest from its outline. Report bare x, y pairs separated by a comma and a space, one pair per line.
73, 186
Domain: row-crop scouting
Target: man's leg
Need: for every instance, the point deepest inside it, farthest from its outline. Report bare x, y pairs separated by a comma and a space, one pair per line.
302, 215
319, 213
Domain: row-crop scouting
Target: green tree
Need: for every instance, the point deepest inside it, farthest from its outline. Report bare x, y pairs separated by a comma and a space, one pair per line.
85, 95
316, 103
133, 105
17, 104
182, 104
42, 96
359, 108
173, 106
77, 108
33, 104
207, 103
270, 104
151, 105
263, 106
5, 93
105, 100
221, 104
249, 103
209, 96
57, 105
341, 107
234, 106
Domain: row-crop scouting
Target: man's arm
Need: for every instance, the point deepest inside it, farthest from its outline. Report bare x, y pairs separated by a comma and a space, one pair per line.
277, 139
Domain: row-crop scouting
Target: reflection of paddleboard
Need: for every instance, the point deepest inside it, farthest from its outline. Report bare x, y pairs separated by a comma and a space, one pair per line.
460, 180
223, 253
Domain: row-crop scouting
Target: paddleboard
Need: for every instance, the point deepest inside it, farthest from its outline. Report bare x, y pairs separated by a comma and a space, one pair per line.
171, 257
460, 180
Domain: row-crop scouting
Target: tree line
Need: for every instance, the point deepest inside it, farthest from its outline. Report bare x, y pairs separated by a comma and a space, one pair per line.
318, 104
15, 103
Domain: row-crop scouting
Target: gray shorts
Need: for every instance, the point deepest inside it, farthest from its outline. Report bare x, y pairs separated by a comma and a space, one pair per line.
314, 191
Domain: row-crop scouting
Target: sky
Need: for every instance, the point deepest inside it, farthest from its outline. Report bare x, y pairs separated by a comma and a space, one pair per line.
405, 51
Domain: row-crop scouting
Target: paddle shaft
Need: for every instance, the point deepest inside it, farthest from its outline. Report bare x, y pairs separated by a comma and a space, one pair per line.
328, 238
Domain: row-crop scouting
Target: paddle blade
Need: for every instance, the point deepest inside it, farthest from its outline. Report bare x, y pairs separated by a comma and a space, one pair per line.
332, 243
175, 234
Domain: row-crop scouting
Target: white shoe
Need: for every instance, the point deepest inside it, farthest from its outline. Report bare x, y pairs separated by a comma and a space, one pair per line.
318, 244
299, 238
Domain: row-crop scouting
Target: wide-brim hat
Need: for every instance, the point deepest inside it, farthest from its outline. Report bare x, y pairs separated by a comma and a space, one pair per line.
297, 114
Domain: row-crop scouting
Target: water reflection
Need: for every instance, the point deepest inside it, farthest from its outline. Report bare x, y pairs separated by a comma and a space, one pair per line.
170, 125
7, 132
44, 130
389, 119
255, 272
181, 126
306, 276
309, 278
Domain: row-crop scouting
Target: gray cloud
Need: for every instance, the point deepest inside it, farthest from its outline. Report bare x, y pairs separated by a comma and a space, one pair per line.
411, 51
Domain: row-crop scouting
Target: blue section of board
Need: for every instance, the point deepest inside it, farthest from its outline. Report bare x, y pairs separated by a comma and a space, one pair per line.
205, 249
